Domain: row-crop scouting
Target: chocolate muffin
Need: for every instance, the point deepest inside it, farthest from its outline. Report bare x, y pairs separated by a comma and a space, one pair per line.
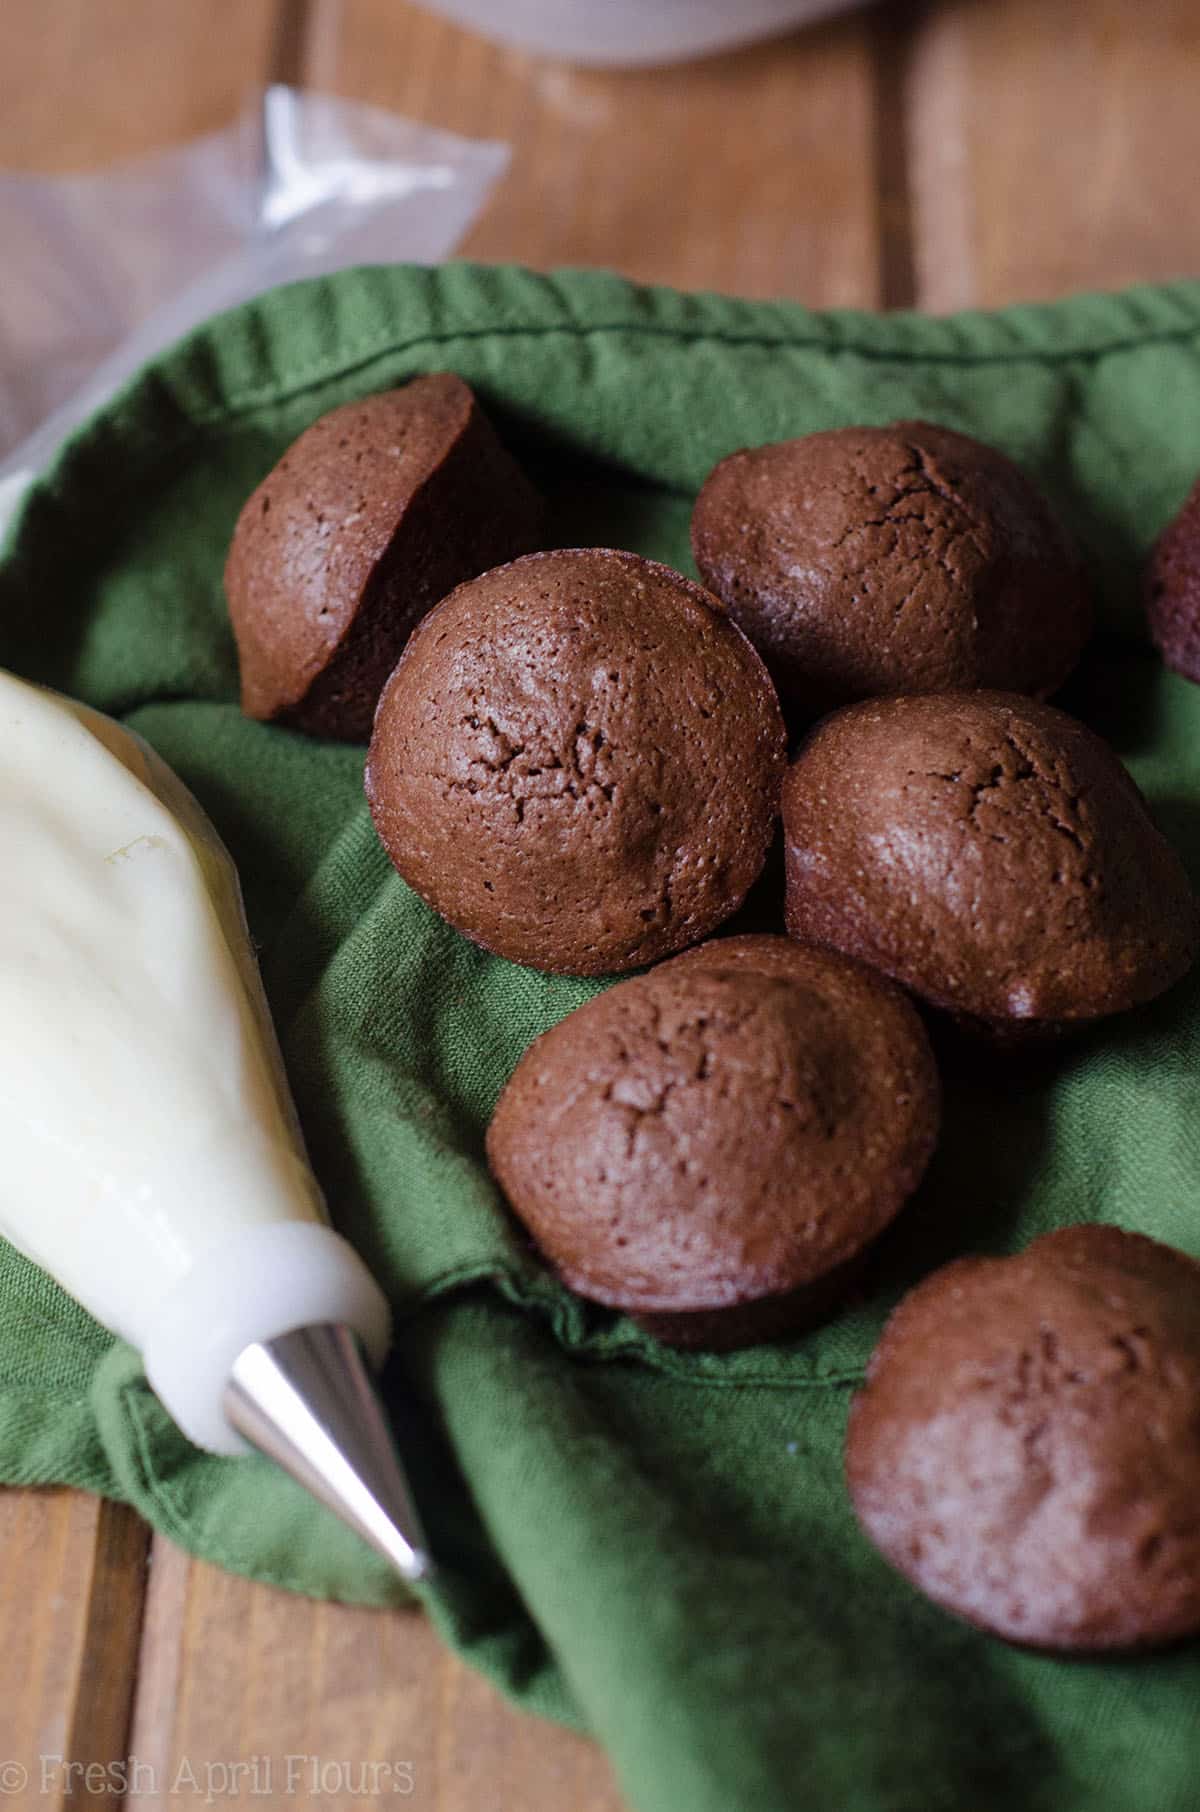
577, 762
1026, 1448
1173, 590
713, 1145
869, 561
987, 852
376, 512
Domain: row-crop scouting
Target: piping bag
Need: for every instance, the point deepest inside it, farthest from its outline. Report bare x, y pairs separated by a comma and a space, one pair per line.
154, 1164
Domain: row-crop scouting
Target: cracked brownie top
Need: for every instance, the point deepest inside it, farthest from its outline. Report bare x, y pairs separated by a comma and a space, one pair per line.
372, 515
730, 1128
1025, 1448
577, 762
989, 853
868, 561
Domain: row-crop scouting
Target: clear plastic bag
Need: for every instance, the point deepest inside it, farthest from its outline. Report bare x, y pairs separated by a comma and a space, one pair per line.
101, 271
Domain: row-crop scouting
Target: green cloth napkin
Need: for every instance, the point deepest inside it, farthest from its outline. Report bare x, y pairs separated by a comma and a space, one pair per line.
655, 1546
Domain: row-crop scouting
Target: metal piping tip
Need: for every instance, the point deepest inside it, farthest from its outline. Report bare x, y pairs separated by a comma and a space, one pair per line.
305, 1399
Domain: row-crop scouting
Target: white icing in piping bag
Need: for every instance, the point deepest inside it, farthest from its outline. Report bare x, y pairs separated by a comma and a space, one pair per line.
153, 1161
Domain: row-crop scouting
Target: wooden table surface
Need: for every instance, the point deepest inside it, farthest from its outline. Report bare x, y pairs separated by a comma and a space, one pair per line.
942, 154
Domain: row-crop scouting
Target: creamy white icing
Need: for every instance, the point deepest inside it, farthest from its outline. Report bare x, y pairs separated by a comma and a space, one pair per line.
144, 1111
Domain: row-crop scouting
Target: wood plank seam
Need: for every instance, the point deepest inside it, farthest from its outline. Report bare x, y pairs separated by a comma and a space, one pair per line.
895, 31
116, 1599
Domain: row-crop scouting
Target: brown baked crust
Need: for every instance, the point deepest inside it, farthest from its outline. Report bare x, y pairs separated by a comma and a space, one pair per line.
1173, 590
870, 561
1026, 1449
373, 514
577, 762
987, 852
713, 1145
761, 1319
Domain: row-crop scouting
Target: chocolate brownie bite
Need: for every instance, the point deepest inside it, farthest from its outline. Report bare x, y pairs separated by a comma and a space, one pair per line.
1026, 1447
990, 854
1173, 590
376, 512
577, 762
870, 561
713, 1146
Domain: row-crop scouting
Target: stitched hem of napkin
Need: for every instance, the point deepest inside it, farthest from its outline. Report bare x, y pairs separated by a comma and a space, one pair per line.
458, 300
